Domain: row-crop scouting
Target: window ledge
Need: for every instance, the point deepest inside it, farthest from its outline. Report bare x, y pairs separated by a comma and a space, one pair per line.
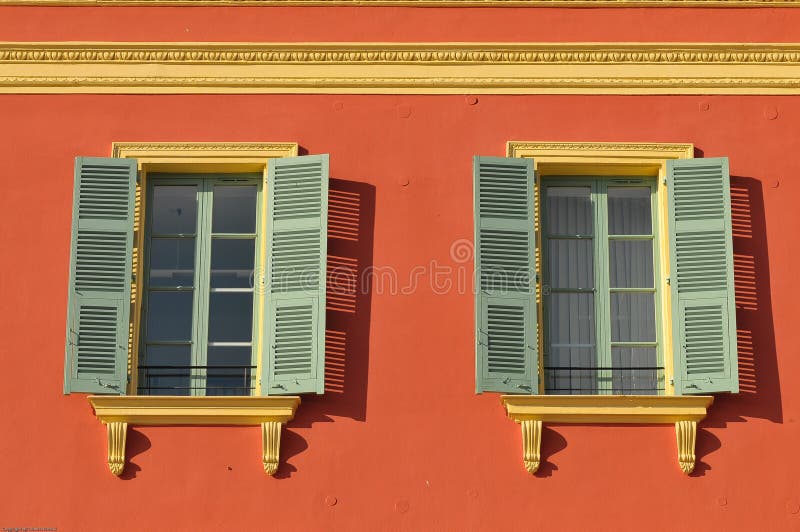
531, 410
117, 412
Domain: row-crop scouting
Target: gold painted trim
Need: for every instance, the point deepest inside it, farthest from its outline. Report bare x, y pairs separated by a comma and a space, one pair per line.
192, 157
613, 159
400, 68
119, 411
203, 156
530, 411
607, 408
415, 3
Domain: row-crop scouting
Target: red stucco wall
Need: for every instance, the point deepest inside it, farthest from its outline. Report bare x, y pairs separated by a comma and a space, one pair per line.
401, 441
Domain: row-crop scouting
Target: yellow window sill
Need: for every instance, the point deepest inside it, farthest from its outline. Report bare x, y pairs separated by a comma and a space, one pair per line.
530, 411
118, 411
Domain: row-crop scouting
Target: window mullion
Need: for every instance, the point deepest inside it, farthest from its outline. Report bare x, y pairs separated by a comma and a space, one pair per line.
199, 355
602, 291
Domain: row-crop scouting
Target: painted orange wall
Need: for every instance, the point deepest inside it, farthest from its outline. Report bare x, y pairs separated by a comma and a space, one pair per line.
401, 441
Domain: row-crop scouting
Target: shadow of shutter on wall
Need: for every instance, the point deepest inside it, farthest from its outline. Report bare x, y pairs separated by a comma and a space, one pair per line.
505, 305
297, 244
100, 276
701, 266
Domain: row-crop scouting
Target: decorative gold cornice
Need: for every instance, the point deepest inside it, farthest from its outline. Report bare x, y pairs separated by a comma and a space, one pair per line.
399, 53
396, 68
180, 150
593, 150
417, 3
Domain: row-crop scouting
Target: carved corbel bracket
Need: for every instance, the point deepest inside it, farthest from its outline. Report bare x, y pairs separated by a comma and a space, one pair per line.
117, 412
117, 435
686, 433
531, 444
270, 446
530, 411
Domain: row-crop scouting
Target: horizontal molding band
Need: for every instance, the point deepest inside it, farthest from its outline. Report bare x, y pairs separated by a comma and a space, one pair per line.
416, 3
400, 68
398, 53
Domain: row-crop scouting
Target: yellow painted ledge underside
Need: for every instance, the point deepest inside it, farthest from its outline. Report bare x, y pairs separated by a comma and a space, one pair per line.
530, 411
400, 68
607, 408
162, 410
117, 412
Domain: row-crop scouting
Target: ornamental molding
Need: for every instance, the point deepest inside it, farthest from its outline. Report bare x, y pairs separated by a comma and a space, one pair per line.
614, 149
399, 53
416, 3
171, 147
400, 68
179, 150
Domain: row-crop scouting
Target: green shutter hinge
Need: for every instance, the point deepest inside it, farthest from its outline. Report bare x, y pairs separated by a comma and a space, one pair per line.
664, 181
106, 385
668, 280
138, 178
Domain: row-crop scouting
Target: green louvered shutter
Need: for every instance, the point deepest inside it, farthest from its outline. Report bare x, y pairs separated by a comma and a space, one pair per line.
100, 276
701, 265
297, 236
507, 351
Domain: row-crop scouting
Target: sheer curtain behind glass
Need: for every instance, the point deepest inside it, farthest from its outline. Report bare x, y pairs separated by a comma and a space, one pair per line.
625, 360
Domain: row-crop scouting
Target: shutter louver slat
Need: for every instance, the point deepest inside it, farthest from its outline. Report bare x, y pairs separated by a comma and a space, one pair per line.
506, 341
297, 246
100, 276
701, 259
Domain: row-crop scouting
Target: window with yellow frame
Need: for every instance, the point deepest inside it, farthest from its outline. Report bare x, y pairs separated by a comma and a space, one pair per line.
198, 269
603, 269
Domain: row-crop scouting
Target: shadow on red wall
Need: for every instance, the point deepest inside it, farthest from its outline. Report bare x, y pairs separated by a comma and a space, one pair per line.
351, 221
759, 386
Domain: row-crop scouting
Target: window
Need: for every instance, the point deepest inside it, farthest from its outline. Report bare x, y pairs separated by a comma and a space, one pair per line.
198, 274
199, 307
600, 300
602, 276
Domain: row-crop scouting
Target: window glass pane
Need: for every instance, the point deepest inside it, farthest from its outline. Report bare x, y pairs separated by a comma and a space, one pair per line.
165, 370
629, 211
627, 379
633, 317
569, 211
571, 318
230, 371
174, 209
169, 316
563, 374
571, 342
631, 263
232, 262
571, 263
171, 262
230, 317
234, 209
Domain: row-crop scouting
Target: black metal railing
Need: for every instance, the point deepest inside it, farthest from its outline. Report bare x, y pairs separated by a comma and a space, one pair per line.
565, 380
184, 380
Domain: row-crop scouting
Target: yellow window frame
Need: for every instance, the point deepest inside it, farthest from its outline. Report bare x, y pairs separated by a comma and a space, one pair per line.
183, 158
552, 159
